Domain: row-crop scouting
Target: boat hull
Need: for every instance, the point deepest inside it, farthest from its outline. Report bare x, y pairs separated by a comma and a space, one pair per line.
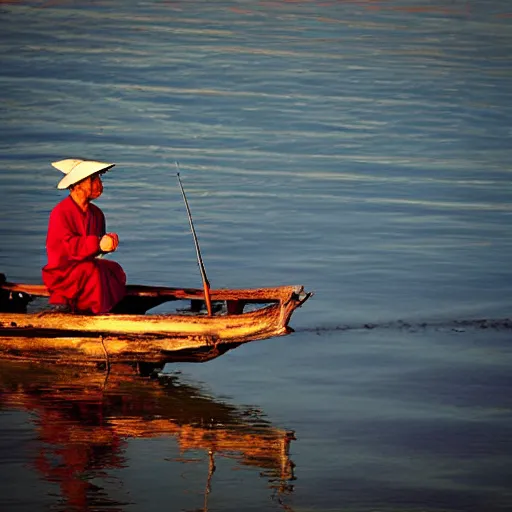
129, 338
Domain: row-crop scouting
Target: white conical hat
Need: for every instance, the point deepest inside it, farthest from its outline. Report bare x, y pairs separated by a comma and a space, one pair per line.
77, 169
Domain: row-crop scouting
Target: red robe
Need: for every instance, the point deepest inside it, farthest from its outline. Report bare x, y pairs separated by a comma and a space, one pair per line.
74, 275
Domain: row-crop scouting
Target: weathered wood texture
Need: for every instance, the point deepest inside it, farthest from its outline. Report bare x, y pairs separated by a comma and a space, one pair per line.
252, 295
149, 338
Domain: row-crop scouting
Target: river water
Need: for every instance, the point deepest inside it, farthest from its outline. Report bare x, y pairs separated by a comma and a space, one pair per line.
360, 148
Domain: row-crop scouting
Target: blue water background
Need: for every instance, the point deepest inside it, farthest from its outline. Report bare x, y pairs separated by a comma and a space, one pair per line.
359, 148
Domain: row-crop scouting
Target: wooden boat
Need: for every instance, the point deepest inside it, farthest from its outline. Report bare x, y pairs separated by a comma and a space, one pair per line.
129, 335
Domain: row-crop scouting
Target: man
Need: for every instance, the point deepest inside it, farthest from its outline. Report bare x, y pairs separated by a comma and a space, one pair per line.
77, 278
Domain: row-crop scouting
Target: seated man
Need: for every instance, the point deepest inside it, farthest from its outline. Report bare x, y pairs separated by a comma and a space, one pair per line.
76, 277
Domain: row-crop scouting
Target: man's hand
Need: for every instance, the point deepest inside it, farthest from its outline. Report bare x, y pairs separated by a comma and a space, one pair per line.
109, 242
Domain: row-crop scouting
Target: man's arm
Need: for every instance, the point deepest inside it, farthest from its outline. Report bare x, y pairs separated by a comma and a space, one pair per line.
63, 239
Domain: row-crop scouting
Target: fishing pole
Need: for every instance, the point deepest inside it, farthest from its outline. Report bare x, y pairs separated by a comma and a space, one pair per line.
206, 283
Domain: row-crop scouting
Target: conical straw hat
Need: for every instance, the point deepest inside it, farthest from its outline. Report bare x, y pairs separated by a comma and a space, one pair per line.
76, 169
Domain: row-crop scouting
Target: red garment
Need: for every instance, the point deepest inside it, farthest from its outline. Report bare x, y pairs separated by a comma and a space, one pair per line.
73, 274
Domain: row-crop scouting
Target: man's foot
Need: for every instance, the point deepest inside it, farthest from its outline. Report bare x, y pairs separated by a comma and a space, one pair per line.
60, 308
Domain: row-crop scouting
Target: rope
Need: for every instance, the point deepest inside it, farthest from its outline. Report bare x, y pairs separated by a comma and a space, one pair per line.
107, 360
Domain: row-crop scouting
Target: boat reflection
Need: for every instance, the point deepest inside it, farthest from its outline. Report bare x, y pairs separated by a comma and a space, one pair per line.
84, 422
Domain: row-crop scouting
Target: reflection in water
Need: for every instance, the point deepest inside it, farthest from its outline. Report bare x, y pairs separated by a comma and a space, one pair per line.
84, 423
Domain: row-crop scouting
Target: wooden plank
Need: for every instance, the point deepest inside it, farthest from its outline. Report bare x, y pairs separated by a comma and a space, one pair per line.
252, 295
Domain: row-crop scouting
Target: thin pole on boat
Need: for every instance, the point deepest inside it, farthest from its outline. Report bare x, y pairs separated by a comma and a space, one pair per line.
206, 283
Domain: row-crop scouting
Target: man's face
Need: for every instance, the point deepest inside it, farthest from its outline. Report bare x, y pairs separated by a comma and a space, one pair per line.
92, 186
96, 186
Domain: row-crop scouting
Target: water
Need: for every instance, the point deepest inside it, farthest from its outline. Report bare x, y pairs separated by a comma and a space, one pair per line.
359, 148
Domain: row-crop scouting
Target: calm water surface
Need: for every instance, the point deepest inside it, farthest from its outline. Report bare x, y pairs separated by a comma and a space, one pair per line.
359, 148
